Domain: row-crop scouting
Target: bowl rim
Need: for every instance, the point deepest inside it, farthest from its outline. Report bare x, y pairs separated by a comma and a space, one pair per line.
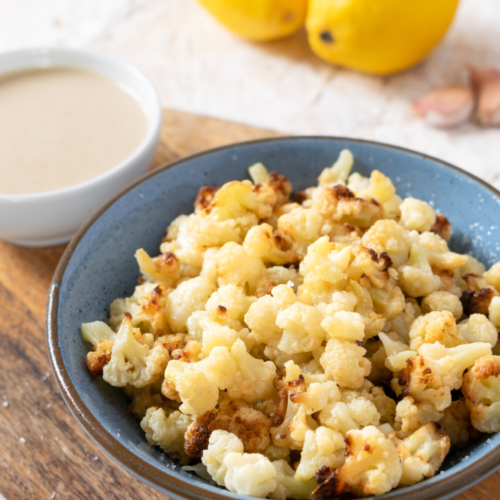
453, 484
154, 115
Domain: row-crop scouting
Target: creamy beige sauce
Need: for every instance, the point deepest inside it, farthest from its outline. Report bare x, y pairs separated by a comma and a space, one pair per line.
61, 126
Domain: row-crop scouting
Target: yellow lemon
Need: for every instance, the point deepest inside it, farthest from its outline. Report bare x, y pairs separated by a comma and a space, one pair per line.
377, 36
259, 20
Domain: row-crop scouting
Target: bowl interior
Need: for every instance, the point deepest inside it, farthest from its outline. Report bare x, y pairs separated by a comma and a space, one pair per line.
100, 267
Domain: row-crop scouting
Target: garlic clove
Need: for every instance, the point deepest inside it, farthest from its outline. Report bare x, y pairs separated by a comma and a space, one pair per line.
486, 83
445, 107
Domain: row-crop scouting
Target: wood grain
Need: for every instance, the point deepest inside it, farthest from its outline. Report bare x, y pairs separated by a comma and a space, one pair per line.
43, 451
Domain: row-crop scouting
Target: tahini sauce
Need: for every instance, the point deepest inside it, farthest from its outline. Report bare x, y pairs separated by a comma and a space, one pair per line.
61, 126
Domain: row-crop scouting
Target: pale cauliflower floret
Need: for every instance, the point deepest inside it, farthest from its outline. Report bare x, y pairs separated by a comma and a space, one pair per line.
417, 215
166, 429
164, 269
236, 267
280, 275
494, 311
374, 323
302, 225
219, 445
478, 328
261, 243
411, 416
209, 267
416, 276
254, 377
482, 391
95, 331
339, 172
372, 466
439, 255
262, 314
388, 236
443, 301
188, 297
396, 350
233, 299
341, 301
322, 447
471, 266
456, 422
492, 276
403, 323
302, 331
249, 474
435, 327
133, 363
345, 363
344, 325
259, 174
280, 358
388, 300
288, 485
422, 453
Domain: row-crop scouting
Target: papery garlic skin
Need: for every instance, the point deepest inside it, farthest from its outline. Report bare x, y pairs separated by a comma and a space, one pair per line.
445, 107
486, 83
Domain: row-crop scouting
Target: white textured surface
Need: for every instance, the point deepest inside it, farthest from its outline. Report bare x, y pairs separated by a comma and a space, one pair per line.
198, 66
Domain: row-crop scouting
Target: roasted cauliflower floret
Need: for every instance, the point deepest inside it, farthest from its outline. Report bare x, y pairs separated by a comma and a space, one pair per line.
389, 237
262, 314
132, 362
164, 269
439, 254
220, 444
494, 311
456, 422
234, 300
322, 447
435, 327
261, 243
190, 296
442, 227
367, 264
422, 453
417, 215
411, 416
372, 466
443, 301
302, 330
100, 356
345, 363
416, 275
236, 267
388, 301
166, 429
492, 276
302, 226
344, 325
478, 328
482, 392
339, 172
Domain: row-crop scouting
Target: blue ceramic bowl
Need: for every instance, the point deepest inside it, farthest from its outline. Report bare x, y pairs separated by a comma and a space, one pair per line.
99, 266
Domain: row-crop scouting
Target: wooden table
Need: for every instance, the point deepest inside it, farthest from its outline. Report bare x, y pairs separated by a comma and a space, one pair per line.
44, 453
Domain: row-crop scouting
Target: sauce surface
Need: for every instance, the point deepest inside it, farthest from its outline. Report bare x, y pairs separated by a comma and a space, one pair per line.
61, 126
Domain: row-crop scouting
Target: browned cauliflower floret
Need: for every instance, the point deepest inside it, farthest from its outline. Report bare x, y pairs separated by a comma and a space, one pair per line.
417, 215
261, 243
302, 226
411, 416
482, 391
442, 227
374, 323
367, 263
164, 269
372, 467
443, 301
422, 453
477, 301
133, 362
435, 327
166, 429
188, 297
344, 362
234, 300
389, 237
144, 398
99, 357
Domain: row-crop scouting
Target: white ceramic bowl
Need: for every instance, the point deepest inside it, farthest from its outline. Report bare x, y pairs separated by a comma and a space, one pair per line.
53, 217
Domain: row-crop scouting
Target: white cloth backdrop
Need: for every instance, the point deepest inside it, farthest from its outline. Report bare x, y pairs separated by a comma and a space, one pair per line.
198, 66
